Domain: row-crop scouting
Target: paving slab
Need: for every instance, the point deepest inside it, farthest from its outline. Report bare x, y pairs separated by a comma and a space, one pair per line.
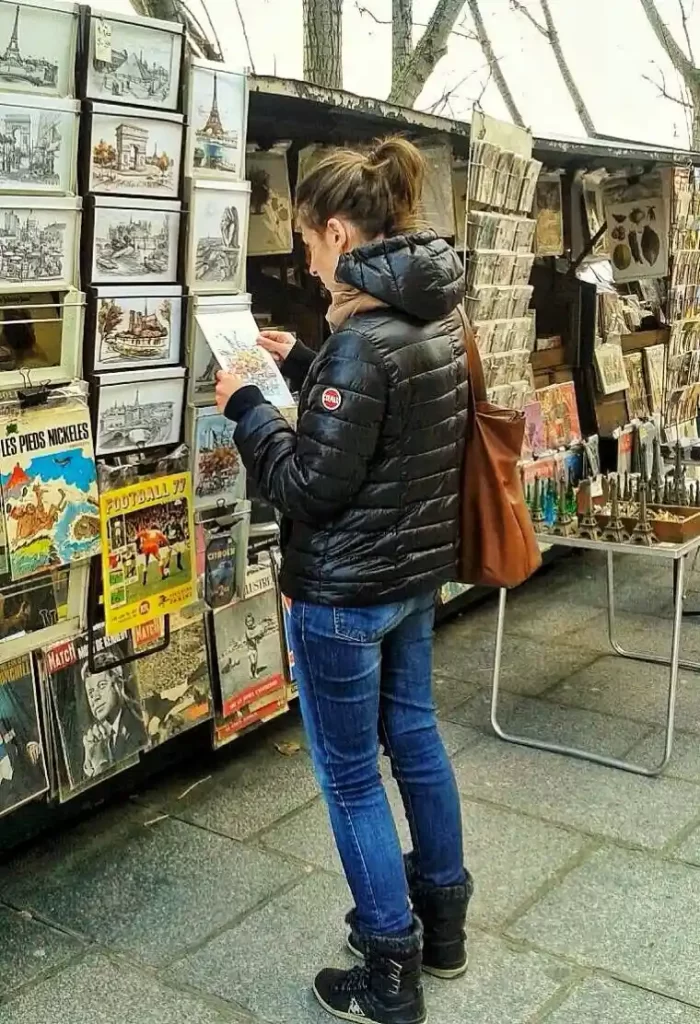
592, 798
150, 890
96, 991
511, 857
527, 666
617, 686
598, 999
269, 961
689, 850
28, 948
543, 720
450, 691
625, 912
685, 759
648, 634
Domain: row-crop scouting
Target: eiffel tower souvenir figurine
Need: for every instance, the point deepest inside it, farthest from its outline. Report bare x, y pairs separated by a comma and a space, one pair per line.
643, 532
614, 532
564, 524
657, 473
588, 524
536, 514
678, 494
667, 492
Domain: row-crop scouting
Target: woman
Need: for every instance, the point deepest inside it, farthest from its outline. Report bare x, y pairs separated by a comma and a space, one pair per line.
368, 488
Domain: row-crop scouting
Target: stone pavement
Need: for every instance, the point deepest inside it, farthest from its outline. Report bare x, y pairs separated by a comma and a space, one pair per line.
213, 897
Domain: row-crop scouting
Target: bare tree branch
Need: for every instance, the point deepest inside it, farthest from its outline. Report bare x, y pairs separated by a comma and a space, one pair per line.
428, 52
457, 31
686, 29
516, 5
562, 64
245, 36
663, 34
492, 60
401, 34
663, 91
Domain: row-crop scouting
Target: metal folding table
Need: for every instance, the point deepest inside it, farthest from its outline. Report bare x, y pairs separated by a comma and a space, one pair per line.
679, 554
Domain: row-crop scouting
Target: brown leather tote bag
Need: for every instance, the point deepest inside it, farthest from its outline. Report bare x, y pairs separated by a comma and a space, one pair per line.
498, 546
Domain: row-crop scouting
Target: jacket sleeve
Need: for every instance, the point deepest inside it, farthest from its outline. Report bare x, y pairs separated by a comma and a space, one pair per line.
297, 364
312, 474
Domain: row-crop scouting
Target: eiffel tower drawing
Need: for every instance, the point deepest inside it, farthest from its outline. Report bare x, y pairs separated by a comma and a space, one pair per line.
12, 52
18, 69
214, 128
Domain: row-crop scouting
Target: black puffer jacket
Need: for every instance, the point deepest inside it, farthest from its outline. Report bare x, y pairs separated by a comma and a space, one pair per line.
369, 486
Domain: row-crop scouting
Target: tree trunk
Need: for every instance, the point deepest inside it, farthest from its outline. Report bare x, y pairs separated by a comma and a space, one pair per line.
401, 36
683, 64
430, 49
553, 36
494, 66
323, 42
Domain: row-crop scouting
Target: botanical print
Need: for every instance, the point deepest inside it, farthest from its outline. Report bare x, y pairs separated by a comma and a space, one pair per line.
174, 684
22, 764
559, 414
218, 240
135, 245
37, 46
99, 715
138, 413
638, 239
218, 473
249, 653
135, 155
232, 340
37, 147
654, 362
217, 122
270, 226
36, 244
137, 329
147, 550
49, 487
144, 68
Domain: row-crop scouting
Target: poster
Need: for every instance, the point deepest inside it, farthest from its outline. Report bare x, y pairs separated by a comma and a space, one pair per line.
22, 763
49, 487
232, 338
638, 239
174, 683
147, 550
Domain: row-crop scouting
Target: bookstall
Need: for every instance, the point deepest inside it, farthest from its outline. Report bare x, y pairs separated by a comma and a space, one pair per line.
146, 236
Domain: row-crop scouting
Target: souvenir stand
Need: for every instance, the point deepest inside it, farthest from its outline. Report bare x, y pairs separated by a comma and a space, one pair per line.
147, 235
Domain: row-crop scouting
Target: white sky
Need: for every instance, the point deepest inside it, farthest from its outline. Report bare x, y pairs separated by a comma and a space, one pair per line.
609, 45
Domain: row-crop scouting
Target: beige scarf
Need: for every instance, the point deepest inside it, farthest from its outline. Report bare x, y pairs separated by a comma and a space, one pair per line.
346, 301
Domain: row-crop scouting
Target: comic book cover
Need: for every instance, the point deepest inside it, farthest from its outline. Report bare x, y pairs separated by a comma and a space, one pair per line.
174, 683
49, 487
22, 762
249, 653
99, 720
232, 338
147, 550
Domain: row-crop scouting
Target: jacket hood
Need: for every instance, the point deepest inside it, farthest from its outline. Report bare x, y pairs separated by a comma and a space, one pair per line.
418, 274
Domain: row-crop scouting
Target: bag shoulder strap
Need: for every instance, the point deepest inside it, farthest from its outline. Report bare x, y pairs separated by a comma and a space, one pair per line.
476, 371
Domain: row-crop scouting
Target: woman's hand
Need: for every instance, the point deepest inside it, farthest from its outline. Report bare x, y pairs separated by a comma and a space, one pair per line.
227, 384
278, 343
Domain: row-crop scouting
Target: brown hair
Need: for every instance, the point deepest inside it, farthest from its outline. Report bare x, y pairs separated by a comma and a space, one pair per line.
379, 191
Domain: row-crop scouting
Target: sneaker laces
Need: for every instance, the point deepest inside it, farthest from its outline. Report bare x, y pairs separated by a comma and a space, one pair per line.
355, 980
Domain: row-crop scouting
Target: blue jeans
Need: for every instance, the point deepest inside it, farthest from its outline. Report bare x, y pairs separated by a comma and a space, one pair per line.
365, 675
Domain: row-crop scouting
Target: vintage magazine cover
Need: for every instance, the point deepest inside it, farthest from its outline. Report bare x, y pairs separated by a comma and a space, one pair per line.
147, 550
49, 487
22, 763
98, 717
174, 684
249, 653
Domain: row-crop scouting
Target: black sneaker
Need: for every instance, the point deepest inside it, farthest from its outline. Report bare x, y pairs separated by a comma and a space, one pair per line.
386, 989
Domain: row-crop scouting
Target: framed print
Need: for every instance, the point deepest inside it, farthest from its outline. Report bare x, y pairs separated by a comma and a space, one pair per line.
218, 474
131, 328
40, 338
217, 115
22, 760
37, 46
132, 60
148, 555
130, 152
48, 481
201, 360
38, 144
218, 231
610, 366
99, 716
134, 241
270, 227
38, 243
139, 410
